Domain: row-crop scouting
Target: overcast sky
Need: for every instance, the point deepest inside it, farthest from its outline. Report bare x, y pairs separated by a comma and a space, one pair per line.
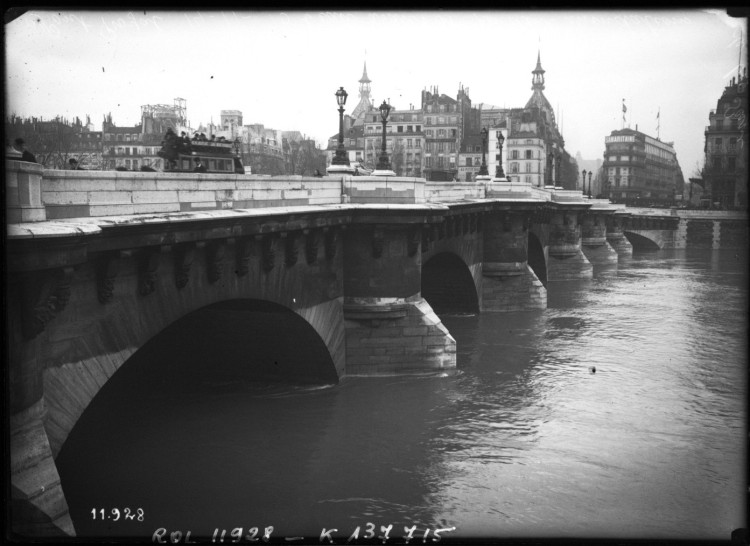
282, 69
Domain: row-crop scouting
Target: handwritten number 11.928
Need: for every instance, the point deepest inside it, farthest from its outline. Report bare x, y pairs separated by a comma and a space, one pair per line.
115, 514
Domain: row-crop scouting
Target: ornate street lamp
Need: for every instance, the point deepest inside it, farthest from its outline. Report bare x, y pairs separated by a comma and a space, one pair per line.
383, 163
583, 185
589, 184
341, 157
499, 169
483, 168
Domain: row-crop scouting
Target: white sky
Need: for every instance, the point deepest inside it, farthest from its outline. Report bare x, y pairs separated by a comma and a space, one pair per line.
282, 69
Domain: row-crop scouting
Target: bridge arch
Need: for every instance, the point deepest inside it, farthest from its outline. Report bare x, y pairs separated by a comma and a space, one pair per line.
644, 240
536, 259
212, 360
448, 284
127, 328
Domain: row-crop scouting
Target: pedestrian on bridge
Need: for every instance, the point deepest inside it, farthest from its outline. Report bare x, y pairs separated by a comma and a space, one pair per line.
25, 154
199, 166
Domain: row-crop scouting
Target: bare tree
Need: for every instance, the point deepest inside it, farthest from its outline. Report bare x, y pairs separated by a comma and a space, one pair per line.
398, 159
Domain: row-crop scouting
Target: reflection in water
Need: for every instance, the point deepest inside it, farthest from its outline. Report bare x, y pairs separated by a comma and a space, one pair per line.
521, 441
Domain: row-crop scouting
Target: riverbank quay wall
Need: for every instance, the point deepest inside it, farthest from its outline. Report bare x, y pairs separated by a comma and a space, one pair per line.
99, 263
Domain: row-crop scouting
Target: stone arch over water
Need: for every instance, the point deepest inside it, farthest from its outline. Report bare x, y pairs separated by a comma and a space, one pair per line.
448, 284
645, 240
239, 340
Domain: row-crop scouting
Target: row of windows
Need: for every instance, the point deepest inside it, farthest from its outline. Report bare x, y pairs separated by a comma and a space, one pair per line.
120, 137
440, 120
399, 128
725, 123
443, 108
441, 133
719, 144
397, 117
718, 162
528, 167
440, 162
404, 142
527, 154
441, 147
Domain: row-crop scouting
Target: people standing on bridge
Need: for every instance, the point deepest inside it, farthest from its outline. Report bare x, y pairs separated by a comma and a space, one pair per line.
199, 166
184, 143
169, 149
26, 155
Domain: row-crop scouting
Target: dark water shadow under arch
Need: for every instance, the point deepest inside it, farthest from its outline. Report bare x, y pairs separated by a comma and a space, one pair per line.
448, 286
150, 437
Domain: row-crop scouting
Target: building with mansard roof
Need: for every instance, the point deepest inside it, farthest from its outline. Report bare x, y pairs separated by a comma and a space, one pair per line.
725, 173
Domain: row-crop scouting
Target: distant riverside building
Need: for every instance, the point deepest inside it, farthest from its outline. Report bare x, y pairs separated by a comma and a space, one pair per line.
470, 157
54, 142
137, 146
725, 172
405, 141
639, 169
442, 121
527, 158
440, 140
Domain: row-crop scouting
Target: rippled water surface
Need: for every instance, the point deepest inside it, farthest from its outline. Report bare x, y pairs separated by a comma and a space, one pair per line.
522, 440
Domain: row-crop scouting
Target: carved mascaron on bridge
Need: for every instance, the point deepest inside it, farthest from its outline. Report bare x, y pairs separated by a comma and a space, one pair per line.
99, 263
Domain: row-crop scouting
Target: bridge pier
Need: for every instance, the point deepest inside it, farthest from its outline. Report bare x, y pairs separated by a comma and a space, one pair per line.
389, 327
566, 259
594, 243
39, 507
615, 236
508, 283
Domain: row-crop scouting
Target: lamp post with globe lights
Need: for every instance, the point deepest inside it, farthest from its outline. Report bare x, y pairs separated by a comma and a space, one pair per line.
340, 162
383, 167
499, 169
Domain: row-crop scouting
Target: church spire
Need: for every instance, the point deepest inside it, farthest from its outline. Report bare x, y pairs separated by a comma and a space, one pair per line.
364, 79
364, 95
537, 81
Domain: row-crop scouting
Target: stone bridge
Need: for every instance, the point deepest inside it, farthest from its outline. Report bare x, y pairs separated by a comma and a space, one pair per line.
355, 269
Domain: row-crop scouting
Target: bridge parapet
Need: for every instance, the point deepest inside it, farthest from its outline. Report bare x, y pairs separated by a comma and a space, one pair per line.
440, 191
23, 192
78, 194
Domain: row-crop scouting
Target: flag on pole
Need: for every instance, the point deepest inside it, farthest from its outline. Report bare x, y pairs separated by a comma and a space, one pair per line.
624, 108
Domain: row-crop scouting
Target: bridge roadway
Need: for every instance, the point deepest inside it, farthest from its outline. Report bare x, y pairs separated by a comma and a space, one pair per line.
100, 263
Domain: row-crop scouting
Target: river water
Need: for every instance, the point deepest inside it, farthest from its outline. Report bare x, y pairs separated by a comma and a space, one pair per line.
523, 440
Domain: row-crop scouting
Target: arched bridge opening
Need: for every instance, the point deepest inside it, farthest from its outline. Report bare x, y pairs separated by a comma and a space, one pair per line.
641, 242
448, 286
536, 260
183, 404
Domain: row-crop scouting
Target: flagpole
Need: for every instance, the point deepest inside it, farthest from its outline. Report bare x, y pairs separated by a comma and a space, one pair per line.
658, 123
